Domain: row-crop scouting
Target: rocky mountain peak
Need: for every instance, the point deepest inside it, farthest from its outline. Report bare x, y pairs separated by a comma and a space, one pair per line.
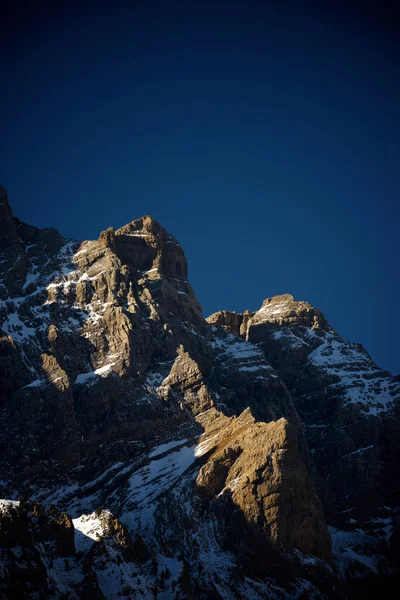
281, 310
144, 245
284, 309
196, 458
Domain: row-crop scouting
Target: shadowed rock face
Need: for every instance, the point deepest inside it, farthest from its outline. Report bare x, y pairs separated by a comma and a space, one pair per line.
203, 441
8, 228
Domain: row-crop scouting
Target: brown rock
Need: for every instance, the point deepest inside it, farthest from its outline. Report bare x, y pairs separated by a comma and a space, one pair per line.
228, 320
107, 238
259, 468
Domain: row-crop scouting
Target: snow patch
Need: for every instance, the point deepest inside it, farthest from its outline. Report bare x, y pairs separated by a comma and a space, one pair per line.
30, 278
354, 371
165, 447
14, 327
100, 372
5, 504
349, 547
91, 530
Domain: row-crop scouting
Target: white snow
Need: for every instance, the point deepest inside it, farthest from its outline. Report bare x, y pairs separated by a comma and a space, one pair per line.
149, 482
158, 475
247, 356
334, 352
350, 546
63, 283
359, 451
164, 447
294, 341
86, 277
104, 371
14, 327
30, 278
5, 503
91, 530
80, 252
84, 377
234, 353
56, 496
234, 348
357, 375
306, 559
70, 324
100, 372
154, 379
113, 467
172, 564
255, 368
268, 310
231, 485
204, 446
66, 250
36, 383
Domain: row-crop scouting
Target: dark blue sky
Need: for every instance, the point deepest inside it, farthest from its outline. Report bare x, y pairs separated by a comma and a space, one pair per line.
265, 138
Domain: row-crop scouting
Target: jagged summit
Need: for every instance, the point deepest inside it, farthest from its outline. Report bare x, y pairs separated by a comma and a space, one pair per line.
282, 309
285, 309
144, 244
247, 455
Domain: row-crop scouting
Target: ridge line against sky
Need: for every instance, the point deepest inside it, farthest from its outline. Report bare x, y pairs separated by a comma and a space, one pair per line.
265, 138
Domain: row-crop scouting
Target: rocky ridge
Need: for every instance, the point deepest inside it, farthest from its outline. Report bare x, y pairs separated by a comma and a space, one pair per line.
225, 455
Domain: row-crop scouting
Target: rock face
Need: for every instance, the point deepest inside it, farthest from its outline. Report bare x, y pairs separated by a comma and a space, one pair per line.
244, 456
257, 468
350, 411
8, 225
31, 538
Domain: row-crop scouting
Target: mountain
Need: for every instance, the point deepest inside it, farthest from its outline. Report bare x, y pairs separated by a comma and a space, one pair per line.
147, 452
